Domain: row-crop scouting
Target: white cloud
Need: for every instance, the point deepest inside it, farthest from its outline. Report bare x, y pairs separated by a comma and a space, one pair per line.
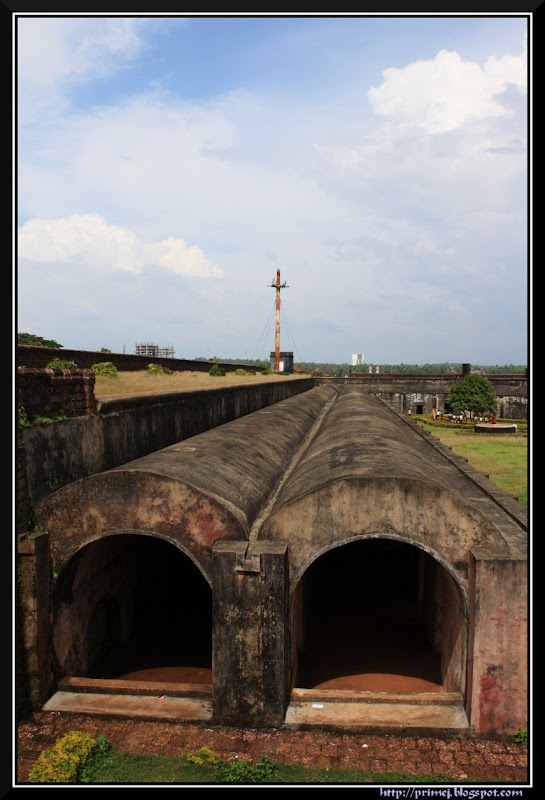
185, 260
442, 95
89, 239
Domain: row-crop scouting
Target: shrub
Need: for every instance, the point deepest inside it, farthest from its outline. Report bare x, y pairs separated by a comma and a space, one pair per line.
216, 370
158, 369
521, 736
237, 770
65, 762
204, 756
22, 417
243, 372
105, 368
58, 363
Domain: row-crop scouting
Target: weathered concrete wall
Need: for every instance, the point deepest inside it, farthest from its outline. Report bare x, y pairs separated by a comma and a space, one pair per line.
69, 450
251, 645
498, 700
33, 607
451, 631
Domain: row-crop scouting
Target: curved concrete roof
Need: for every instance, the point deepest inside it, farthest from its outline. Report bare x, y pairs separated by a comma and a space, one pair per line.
359, 437
369, 471
200, 490
238, 464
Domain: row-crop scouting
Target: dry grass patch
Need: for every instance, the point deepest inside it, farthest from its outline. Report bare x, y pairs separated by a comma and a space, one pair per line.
125, 384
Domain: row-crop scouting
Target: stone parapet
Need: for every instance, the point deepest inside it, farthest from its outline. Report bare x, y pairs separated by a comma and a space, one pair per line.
56, 392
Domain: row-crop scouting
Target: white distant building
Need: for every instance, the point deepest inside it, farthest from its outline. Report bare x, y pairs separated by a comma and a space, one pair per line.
357, 358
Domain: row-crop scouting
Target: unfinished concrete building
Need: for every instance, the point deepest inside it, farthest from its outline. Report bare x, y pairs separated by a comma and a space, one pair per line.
321, 561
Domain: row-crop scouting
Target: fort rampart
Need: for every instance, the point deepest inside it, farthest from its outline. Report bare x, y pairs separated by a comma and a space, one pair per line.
33, 357
421, 393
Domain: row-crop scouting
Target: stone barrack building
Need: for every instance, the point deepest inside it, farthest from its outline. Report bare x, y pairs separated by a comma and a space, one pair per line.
273, 557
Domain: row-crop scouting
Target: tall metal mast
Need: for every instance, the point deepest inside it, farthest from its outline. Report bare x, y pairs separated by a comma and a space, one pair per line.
277, 286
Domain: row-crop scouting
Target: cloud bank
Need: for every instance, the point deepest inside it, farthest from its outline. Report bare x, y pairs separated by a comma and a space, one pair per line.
87, 239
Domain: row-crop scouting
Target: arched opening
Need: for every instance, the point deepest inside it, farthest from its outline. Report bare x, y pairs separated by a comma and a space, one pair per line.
379, 615
134, 607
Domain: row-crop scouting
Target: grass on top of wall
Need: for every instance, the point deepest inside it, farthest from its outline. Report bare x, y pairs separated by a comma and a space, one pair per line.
130, 383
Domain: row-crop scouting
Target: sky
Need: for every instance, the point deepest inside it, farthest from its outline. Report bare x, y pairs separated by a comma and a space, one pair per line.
168, 166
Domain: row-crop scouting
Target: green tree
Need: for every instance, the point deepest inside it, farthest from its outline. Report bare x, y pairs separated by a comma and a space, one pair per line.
473, 393
38, 341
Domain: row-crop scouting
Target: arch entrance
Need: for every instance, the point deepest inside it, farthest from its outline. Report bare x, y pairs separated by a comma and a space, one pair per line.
379, 615
132, 607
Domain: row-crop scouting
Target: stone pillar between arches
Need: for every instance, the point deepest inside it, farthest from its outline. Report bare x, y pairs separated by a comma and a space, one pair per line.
250, 649
33, 617
498, 663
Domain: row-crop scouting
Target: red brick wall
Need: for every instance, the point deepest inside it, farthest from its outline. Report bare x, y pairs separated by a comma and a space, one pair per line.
53, 392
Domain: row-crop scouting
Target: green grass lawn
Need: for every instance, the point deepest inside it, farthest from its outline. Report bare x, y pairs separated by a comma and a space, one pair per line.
504, 458
123, 768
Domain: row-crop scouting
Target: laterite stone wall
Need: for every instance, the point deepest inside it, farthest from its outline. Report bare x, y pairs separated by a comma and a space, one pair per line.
54, 392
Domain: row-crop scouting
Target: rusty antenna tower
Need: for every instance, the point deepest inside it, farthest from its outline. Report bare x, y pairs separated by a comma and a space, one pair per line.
278, 286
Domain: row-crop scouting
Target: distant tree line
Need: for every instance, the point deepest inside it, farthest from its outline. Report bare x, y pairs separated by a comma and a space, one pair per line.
36, 341
339, 370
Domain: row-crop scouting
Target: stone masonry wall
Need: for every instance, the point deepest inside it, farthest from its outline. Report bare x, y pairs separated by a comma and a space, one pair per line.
56, 392
39, 357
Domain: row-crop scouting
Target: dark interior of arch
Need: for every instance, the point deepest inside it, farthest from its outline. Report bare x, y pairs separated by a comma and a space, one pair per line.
367, 619
154, 620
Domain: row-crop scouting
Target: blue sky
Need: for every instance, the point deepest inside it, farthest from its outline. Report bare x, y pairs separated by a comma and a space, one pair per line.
168, 166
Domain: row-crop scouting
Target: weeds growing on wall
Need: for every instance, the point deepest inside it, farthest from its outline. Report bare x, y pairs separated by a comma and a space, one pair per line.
105, 368
521, 736
59, 363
